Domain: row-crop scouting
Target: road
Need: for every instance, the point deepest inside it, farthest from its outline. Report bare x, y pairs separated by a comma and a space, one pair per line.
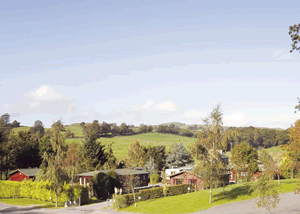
289, 203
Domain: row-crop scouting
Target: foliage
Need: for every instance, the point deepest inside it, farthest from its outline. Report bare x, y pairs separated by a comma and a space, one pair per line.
100, 184
72, 160
136, 154
268, 197
154, 178
37, 127
129, 182
119, 202
269, 164
178, 156
151, 166
41, 190
93, 151
244, 158
211, 168
295, 36
111, 162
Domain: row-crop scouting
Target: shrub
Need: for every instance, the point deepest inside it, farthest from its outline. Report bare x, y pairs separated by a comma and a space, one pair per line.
154, 178
119, 202
158, 192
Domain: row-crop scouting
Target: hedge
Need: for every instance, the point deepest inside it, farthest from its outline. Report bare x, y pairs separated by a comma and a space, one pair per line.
157, 192
41, 191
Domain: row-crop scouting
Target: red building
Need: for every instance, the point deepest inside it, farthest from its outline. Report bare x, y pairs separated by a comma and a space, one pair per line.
233, 174
22, 174
185, 178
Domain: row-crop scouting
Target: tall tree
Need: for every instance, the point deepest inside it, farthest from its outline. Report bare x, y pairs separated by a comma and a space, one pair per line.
178, 156
105, 128
244, 158
111, 162
269, 164
295, 36
56, 171
210, 166
93, 151
129, 183
72, 160
136, 154
37, 127
4, 119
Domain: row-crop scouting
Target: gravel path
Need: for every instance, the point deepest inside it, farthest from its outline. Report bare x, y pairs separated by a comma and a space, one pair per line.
289, 203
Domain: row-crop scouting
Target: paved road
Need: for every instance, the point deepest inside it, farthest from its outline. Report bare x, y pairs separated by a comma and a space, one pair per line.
289, 203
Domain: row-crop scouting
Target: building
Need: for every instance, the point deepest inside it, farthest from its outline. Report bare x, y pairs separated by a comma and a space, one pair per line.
22, 174
233, 174
86, 177
173, 171
185, 177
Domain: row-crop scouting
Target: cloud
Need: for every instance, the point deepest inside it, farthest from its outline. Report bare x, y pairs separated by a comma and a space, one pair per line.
279, 55
46, 100
148, 104
44, 92
236, 119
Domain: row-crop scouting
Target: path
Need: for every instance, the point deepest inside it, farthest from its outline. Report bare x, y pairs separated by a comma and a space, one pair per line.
289, 203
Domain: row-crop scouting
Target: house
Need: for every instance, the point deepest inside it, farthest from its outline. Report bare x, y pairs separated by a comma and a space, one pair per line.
86, 177
173, 171
233, 174
185, 177
22, 174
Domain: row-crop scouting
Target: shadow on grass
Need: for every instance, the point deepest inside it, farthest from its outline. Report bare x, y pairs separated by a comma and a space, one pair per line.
234, 193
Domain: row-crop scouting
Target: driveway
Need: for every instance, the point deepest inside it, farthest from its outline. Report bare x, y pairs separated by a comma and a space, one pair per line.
289, 203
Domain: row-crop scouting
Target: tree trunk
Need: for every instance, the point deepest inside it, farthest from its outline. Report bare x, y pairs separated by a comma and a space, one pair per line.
134, 197
56, 200
278, 178
223, 186
292, 173
210, 194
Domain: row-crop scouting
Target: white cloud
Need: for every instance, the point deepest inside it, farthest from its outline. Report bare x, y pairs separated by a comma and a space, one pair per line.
44, 92
236, 119
148, 104
279, 55
166, 106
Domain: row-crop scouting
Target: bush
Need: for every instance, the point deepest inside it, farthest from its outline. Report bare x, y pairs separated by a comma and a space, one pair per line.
119, 202
154, 193
154, 178
41, 190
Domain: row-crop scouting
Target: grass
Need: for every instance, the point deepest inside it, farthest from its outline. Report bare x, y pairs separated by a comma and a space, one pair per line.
121, 143
28, 202
272, 151
197, 201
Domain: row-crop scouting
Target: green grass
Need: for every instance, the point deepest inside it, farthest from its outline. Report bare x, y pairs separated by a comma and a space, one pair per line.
197, 201
276, 150
76, 129
27, 202
121, 143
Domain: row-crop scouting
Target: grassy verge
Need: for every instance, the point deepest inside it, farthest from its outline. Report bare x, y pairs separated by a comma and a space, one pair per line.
197, 201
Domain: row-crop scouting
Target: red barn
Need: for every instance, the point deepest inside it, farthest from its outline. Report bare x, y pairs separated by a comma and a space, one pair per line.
22, 174
185, 178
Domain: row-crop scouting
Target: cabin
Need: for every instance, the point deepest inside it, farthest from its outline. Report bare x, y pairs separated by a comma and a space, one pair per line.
23, 174
86, 177
173, 170
186, 177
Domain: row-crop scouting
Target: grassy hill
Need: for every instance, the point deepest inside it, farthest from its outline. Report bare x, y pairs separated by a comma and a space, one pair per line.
273, 151
121, 143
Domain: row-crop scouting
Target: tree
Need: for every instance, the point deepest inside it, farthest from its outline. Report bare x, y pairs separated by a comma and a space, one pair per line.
268, 197
104, 184
105, 128
129, 183
136, 154
292, 149
93, 151
111, 162
56, 171
37, 127
114, 130
269, 164
72, 160
178, 156
4, 119
244, 158
157, 153
123, 129
151, 166
295, 36
210, 165
15, 124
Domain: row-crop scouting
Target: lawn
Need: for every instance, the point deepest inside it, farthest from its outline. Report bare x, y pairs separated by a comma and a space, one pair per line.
197, 201
27, 202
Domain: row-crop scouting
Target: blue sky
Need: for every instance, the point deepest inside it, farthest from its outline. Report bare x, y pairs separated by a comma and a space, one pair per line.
148, 61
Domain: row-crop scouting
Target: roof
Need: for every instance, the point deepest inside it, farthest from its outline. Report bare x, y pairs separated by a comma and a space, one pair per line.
29, 171
125, 171
171, 176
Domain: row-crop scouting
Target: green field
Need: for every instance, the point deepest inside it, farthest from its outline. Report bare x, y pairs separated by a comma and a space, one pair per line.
197, 201
121, 143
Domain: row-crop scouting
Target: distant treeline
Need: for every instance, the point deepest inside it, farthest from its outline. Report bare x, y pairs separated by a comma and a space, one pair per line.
259, 137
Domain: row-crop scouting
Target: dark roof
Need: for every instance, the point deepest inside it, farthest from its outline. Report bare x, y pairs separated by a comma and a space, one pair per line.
125, 171
29, 171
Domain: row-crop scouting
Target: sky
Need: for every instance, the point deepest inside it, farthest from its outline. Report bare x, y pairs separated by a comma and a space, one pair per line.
149, 62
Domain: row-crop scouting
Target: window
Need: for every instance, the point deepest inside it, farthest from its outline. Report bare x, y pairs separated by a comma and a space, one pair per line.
195, 182
243, 174
190, 181
231, 175
177, 181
